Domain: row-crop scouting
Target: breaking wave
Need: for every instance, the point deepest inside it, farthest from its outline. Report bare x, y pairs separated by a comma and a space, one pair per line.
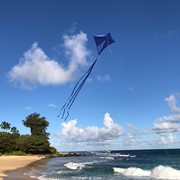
159, 172
112, 155
108, 158
74, 166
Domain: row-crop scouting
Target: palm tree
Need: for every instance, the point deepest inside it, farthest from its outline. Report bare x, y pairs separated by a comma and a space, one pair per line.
5, 125
14, 130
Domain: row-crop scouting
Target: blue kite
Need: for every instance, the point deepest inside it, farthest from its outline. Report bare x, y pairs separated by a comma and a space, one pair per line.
102, 41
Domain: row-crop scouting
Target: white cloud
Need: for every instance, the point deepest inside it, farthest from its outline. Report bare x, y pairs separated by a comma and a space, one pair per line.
35, 67
75, 49
81, 146
134, 137
130, 140
171, 118
92, 134
169, 123
52, 105
106, 77
166, 127
171, 100
166, 138
28, 108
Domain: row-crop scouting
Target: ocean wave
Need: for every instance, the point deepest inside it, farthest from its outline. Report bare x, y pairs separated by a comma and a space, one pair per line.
110, 155
107, 157
132, 171
74, 166
113, 154
159, 172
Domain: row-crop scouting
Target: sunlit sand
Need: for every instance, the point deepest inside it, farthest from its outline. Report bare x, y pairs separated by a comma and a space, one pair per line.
8, 163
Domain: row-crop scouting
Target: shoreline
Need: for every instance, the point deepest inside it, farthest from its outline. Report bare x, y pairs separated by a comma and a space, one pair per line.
15, 163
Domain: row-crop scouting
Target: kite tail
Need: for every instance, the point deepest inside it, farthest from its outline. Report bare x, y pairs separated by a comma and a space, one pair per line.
66, 107
62, 111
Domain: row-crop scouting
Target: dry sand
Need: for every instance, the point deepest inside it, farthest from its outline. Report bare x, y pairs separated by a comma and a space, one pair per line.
8, 163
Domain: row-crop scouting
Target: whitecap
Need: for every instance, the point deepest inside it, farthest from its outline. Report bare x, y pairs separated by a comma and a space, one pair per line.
133, 156
165, 172
107, 157
133, 171
74, 166
159, 172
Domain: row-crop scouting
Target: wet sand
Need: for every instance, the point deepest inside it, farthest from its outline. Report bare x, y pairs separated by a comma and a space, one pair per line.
10, 163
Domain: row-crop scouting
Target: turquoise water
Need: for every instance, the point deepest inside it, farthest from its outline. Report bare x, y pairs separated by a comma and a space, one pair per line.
111, 165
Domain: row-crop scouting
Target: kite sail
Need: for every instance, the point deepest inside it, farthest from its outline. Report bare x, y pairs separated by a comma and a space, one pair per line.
102, 41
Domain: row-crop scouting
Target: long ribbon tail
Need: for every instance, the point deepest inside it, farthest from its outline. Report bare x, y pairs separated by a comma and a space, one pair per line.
62, 111
76, 93
80, 86
66, 107
71, 101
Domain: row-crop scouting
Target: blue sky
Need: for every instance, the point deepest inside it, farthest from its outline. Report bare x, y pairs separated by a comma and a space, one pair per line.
130, 100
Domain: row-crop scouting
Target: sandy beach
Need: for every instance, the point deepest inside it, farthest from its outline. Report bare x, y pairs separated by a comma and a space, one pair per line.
8, 163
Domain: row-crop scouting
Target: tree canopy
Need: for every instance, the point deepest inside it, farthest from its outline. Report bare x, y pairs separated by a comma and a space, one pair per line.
37, 124
35, 143
5, 125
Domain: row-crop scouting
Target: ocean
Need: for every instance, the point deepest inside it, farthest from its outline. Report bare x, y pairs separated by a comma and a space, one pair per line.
110, 165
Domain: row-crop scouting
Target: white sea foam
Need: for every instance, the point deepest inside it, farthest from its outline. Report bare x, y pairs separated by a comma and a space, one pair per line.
133, 171
45, 178
159, 172
122, 155
133, 156
74, 166
162, 172
107, 157
113, 154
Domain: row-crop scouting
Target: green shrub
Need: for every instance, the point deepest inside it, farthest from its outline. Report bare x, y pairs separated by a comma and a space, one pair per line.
18, 153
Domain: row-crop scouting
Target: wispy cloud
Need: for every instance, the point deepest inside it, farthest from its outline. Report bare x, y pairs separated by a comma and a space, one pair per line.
167, 138
52, 105
171, 118
104, 78
164, 131
27, 108
171, 100
169, 123
166, 35
167, 127
161, 127
36, 68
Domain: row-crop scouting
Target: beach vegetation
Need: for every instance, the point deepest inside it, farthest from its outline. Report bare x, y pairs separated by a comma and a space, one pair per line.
5, 125
38, 125
7, 142
34, 144
53, 150
14, 130
37, 142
